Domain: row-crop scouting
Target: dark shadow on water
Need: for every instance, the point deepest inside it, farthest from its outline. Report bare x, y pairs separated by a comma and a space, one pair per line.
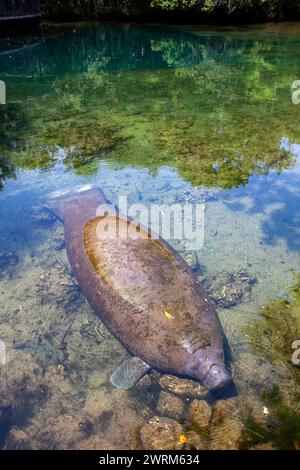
226, 392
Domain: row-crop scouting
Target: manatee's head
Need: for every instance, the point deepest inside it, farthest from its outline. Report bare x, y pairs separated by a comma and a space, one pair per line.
208, 366
217, 376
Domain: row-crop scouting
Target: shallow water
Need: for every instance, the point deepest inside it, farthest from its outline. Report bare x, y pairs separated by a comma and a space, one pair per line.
157, 114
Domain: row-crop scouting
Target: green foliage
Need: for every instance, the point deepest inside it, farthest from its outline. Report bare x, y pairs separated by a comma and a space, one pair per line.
279, 326
273, 333
175, 4
215, 108
284, 433
96, 8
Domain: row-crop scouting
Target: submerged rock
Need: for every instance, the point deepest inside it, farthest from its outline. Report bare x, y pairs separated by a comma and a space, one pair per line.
170, 406
228, 290
194, 441
182, 387
162, 434
200, 413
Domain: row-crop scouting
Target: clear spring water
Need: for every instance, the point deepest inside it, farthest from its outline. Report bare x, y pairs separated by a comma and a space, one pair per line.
152, 112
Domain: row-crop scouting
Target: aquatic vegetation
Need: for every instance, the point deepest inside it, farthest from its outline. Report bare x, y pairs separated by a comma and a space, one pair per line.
213, 107
283, 432
84, 142
277, 327
273, 334
33, 156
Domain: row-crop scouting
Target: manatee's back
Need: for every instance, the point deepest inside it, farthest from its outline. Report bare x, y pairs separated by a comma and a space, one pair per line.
165, 314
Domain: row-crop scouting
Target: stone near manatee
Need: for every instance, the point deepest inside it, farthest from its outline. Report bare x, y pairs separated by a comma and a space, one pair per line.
228, 290
143, 291
170, 405
182, 387
161, 434
200, 413
195, 441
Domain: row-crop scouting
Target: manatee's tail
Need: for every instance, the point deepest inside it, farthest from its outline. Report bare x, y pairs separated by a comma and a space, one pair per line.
81, 203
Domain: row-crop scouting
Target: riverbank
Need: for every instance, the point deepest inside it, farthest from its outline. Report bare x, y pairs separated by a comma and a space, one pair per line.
174, 11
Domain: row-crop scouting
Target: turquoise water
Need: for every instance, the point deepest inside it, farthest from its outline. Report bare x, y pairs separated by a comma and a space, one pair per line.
160, 114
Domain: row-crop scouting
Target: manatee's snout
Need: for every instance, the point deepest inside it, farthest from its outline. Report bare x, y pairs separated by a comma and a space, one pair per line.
216, 377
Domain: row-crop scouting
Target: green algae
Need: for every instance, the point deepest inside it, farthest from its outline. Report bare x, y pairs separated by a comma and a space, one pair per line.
283, 432
273, 333
217, 111
277, 327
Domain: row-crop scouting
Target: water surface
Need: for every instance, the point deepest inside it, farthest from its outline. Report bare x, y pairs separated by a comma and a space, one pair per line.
158, 114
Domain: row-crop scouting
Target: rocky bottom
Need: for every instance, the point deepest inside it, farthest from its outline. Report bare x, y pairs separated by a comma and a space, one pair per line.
55, 391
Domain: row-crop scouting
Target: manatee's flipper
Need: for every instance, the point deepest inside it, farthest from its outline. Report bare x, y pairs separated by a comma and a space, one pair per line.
129, 373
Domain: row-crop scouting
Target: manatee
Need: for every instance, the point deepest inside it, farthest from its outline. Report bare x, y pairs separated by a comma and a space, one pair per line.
145, 294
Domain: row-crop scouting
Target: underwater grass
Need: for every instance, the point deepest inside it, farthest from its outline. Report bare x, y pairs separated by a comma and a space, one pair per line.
273, 334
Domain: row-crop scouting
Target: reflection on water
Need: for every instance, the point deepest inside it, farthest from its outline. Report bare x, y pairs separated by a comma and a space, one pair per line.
160, 115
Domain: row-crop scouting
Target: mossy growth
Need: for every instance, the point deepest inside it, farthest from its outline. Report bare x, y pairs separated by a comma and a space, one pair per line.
284, 430
85, 138
217, 115
278, 327
273, 334
33, 156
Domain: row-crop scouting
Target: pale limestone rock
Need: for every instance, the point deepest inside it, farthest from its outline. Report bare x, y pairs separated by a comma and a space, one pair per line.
182, 387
